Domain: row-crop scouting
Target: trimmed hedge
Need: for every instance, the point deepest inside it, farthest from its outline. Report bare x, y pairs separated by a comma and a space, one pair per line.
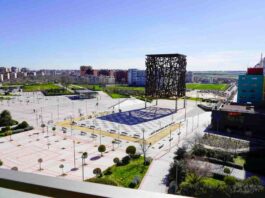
102, 181
200, 151
22, 130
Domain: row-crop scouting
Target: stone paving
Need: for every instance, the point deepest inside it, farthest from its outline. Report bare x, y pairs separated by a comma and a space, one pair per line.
26, 148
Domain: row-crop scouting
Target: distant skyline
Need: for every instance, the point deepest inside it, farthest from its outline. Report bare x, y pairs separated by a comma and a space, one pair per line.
117, 34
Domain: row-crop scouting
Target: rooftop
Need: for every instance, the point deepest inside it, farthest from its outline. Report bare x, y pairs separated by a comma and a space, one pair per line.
165, 55
242, 108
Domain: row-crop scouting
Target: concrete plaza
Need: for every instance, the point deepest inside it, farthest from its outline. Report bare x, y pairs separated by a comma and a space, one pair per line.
58, 148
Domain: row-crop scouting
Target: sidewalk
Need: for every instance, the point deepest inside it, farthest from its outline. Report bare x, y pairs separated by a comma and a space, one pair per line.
154, 178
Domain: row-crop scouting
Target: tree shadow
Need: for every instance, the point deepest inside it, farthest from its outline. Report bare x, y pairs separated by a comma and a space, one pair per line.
95, 158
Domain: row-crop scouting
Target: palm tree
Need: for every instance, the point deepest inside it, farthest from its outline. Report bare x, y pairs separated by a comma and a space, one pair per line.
40, 161
61, 167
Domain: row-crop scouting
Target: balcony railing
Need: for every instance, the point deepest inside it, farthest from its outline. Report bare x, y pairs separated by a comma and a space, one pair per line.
20, 184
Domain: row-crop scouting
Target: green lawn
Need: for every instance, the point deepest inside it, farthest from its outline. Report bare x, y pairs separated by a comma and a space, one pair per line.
124, 87
219, 87
76, 87
40, 87
239, 160
57, 92
114, 91
5, 98
212, 182
123, 175
116, 95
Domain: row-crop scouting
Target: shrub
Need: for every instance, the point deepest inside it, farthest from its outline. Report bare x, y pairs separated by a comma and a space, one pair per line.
132, 185
223, 156
5, 129
182, 171
199, 150
230, 180
6, 119
107, 171
97, 171
180, 153
125, 160
22, 125
116, 160
253, 180
227, 171
136, 156
148, 161
101, 149
131, 150
135, 181
103, 181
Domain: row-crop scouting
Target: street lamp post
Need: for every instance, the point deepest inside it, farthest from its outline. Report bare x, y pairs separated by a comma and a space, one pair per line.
170, 138
118, 130
58, 108
86, 109
144, 149
71, 125
179, 132
100, 137
74, 154
187, 122
192, 125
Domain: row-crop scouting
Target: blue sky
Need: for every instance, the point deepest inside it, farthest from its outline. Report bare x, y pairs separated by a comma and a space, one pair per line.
64, 34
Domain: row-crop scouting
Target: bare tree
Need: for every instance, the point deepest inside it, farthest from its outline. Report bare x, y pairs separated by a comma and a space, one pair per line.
198, 166
144, 145
40, 161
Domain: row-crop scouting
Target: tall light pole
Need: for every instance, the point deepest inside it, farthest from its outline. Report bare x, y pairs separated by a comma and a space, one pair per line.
74, 154
187, 122
72, 108
198, 120
170, 138
144, 145
86, 109
58, 108
118, 130
179, 132
185, 107
192, 125
84, 156
41, 115
100, 137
